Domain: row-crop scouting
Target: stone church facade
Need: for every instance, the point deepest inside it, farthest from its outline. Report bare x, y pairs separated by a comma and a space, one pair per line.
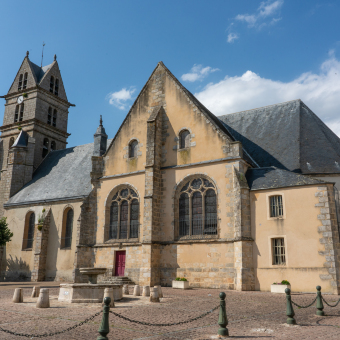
232, 202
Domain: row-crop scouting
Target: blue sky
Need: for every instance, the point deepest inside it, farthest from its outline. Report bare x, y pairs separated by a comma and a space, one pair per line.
233, 55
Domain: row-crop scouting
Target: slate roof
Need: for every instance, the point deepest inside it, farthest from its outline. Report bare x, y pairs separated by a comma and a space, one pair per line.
39, 71
272, 177
63, 174
21, 140
287, 135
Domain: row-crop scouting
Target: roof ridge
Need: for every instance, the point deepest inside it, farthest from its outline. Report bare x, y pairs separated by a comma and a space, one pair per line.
262, 107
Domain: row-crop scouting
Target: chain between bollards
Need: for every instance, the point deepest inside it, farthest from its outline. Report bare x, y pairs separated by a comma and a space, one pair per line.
222, 318
290, 311
104, 327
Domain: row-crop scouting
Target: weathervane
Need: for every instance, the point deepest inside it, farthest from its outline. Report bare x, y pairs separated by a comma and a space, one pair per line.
42, 54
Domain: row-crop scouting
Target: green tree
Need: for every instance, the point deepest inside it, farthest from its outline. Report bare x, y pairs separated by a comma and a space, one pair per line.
5, 233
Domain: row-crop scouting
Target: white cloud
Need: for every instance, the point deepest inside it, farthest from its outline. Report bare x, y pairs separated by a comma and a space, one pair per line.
319, 91
232, 37
198, 72
266, 9
122, 98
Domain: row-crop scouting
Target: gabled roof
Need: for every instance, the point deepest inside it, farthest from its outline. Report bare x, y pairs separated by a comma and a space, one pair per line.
38, 71
220, 126
272, 177
287, 135
63, 174
21, 140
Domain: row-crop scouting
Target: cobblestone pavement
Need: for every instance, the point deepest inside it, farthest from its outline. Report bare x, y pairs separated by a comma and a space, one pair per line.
251, 315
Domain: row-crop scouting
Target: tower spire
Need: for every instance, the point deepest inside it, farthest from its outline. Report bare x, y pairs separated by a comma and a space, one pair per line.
42, 54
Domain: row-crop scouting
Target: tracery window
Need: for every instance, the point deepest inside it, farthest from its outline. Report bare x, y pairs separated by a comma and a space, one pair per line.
54, 122
25, 81
29, 231
124, 215
49, 116
66, 239
45, 147
133, 149
184, 139
51, 84
198, 208
20, 82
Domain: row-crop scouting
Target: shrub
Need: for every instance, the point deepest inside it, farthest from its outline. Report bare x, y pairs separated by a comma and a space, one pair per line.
5, 233
181, 279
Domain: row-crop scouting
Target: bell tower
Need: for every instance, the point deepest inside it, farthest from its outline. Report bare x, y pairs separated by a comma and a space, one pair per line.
36, 103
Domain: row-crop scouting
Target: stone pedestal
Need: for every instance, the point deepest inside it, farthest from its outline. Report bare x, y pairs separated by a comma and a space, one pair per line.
18, 295
35, 292
146, 291
126, 289
136, 290
87, 293
154, 295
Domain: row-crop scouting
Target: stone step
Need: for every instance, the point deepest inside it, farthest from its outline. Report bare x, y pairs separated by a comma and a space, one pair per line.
118, 279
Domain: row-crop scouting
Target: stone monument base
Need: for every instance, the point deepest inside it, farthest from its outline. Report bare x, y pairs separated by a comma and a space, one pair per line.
87, 293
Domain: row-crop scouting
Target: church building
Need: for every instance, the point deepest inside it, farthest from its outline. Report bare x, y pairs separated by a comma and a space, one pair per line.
238, 201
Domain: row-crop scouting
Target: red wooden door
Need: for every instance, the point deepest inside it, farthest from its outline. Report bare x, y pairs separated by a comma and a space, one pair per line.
120, 263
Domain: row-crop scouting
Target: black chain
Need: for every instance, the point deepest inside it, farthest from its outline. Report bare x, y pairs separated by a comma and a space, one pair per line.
330, 304
164, 324
51, 334
303, 306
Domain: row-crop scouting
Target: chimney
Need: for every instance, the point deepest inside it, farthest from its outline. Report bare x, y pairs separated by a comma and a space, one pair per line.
100, 140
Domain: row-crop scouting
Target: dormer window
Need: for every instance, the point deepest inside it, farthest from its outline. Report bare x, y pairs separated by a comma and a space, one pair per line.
133, 149
51, 84
49, 116
54, 122
20, 82
184, 141
56, 87
25, 80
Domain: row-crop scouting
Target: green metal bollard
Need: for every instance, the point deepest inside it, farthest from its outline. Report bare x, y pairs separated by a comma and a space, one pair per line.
222, 318
319, 303
290, 311
104, 327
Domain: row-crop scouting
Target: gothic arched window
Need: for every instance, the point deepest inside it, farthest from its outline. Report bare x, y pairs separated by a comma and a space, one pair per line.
29, 231
197, 208
20, 82
25, 80
54, 122
124, 215
184, 139
66, 235
56, 87
133, 149
49, 116
53, 145
51, 84
45, 147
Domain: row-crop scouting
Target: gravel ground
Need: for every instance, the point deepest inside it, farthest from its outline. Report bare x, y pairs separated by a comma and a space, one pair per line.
251, 315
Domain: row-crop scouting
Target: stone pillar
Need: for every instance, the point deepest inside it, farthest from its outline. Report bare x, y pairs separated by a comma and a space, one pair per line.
44, 299
40, 249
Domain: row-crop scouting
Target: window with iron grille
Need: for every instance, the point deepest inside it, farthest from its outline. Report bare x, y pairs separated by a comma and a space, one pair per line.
124, 215
184, 139
20, 82
276, 206
279, 253
197, 208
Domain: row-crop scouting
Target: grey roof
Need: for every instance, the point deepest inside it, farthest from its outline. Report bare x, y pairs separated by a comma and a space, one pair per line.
21, 140
287, 135
272, 177
39, 71
63, 174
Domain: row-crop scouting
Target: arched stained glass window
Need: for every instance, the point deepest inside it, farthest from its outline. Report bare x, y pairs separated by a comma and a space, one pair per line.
184, 141
124, 215
197, 208
30, 231
133, 149
69, 228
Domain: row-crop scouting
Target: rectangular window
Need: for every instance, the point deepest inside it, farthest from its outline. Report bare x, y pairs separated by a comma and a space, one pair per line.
279, 253
276, 206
